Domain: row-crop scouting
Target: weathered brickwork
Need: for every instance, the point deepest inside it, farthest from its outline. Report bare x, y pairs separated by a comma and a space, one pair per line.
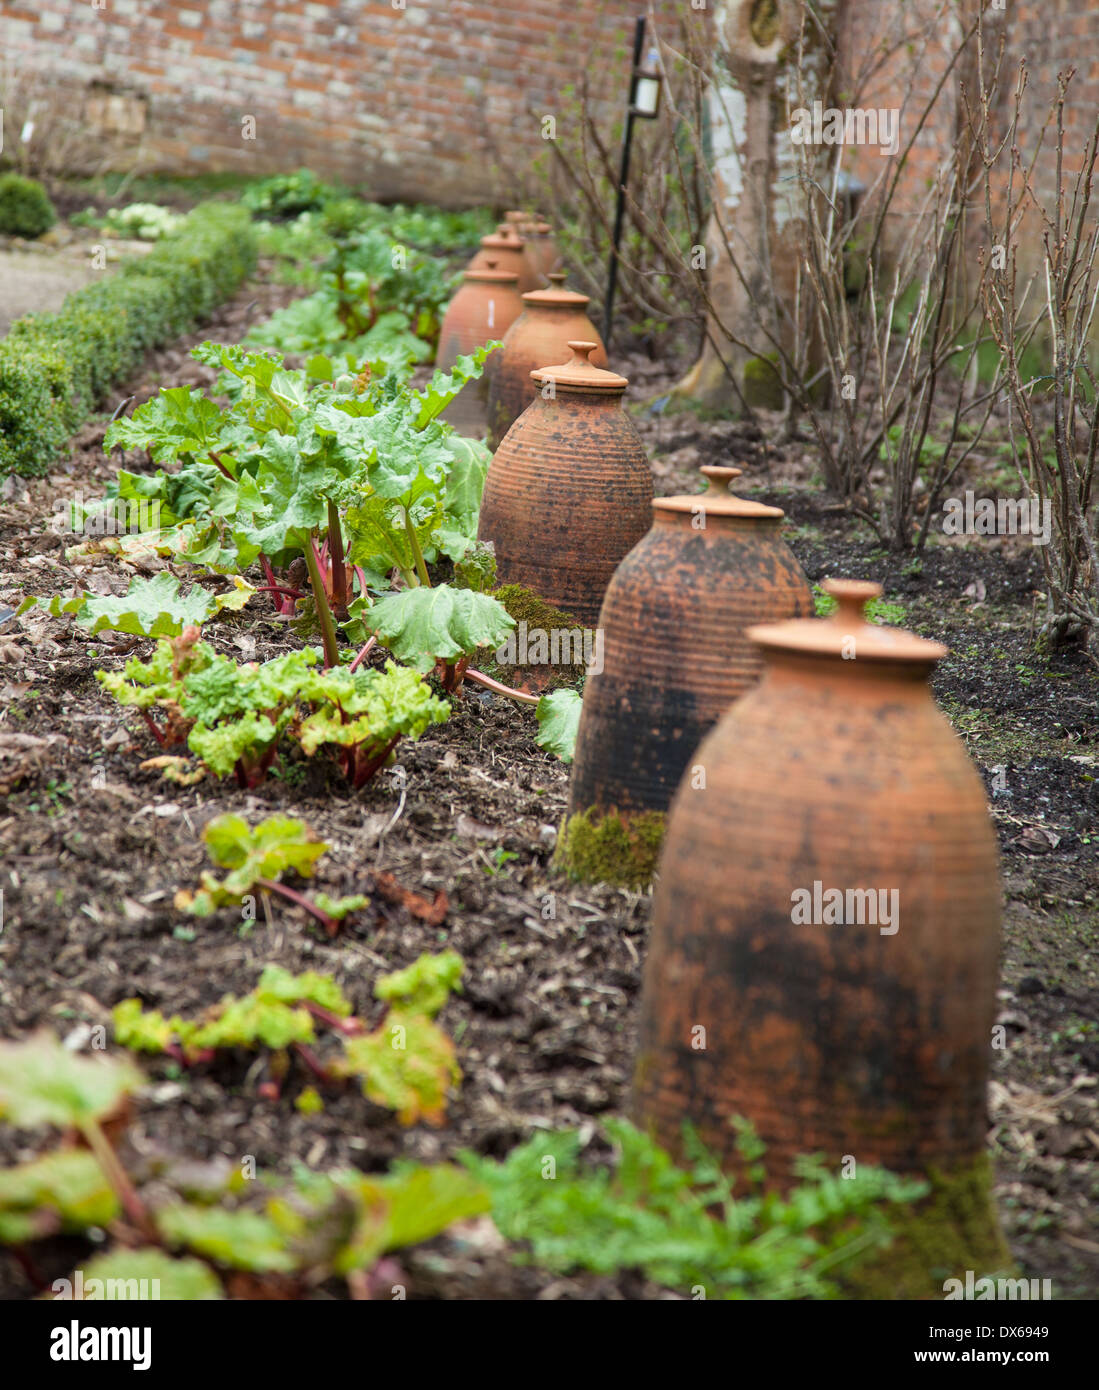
417, 98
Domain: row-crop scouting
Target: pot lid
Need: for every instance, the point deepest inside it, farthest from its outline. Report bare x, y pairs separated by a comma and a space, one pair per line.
557, 297
503, 238
491, 273
717, 500
578, 373
846, 633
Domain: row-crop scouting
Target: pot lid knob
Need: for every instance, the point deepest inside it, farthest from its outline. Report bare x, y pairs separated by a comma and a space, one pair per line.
852, 596
556, 278
719, 478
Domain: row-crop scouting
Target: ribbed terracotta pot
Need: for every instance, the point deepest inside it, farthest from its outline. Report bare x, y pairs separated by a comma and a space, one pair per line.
484, 308
866, 1039
569, 490
550, 319
675, 656
508, 250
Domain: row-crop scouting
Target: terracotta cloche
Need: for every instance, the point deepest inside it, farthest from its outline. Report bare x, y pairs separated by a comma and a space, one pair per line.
569, 490
826, 932
508, 250
550, 319
675, 656
484, 308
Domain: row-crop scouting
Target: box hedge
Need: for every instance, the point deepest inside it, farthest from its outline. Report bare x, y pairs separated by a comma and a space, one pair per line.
55, 369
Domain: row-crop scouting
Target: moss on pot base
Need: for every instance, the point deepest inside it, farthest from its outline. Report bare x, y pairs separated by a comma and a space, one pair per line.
622, 851
953, 1229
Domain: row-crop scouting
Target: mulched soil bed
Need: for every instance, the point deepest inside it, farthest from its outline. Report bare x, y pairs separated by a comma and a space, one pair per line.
94, 849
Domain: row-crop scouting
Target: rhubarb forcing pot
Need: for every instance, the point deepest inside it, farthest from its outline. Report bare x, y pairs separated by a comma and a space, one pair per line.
824, 952
675, 656
508, 250
486, 305
569, 490
550, 319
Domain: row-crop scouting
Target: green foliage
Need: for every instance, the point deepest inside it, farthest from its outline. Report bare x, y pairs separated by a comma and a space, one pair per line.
424, 986
682, 1227
273, 1015
878, 610
25, 207
407, 1064
377, 299
257, 857
424, 626
150, 608
183, 1281
144, 221
63, 1191
56, 368
234, 716
285, 195
364, 713
43, 1083
558, 715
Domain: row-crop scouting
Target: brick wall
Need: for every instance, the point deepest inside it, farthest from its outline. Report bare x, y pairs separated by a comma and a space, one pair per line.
434, 99
405, 98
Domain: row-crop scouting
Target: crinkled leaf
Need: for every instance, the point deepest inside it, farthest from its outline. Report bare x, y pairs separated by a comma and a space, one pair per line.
368, 708
558, 716
150, 1031
43, 1083
424, 986
407, 1064
423, 626
151, 607
178, 421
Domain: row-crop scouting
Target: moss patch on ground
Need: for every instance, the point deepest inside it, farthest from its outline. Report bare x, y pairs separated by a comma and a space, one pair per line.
611, 848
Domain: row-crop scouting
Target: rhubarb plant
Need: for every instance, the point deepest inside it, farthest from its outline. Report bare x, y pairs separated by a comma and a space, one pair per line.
257, 858
233, 717
304, 1229
407, 1064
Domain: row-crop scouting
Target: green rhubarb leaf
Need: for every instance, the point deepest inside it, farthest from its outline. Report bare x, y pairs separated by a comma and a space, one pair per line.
254, 1020
368, 708
117, 1273
423, 626
414, 1203
151, 607
64, 1191
477, 568
43, 1083
275, 845
176, 423
424, 986
558, 716
339, 908
150, 1031
407, 1064
277, 983
445, 386
240, 1239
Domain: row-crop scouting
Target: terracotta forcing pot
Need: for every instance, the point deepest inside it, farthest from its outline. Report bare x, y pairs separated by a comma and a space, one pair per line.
675, 655
541, 247
569, 490
550, 319
778, 987
486, 305
507, 249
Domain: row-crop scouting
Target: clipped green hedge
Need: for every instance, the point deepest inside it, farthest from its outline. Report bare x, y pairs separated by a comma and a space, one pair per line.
55, 369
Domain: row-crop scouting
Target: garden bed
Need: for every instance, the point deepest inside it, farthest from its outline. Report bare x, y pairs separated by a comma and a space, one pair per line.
94, 850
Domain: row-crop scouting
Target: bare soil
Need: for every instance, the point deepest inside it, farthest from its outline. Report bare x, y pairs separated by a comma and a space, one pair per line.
94, 849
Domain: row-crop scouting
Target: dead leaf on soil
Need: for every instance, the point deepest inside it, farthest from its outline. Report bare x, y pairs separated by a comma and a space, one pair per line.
432, 912
1036, 839
470, 829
